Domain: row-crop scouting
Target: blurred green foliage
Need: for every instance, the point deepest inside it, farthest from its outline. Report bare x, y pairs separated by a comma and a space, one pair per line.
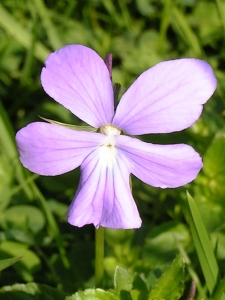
33, 209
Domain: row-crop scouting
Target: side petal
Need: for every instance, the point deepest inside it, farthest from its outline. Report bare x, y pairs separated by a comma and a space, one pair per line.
166, 98
49, 149
77, 77
165, 166
104, 196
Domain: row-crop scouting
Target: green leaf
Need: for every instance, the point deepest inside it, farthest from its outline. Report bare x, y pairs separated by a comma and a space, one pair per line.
162, 243
21, 34
74, 127
214, 166
182, 26
139, 289
92, 294
5, 263
122, 280
17, 235
27, 265
202, 244
24, 217
51, 31
219, 292
171, 284
138, 295
139, 284
9, 150
31, 291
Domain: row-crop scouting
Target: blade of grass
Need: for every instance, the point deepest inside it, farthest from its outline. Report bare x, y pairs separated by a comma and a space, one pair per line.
221, 14
113, 13
8, 148
52, 34
164, 25
219, 293
180, 22
21, 35
5, 263
54, 229
203, 245
28, 67
125, 14
201, 291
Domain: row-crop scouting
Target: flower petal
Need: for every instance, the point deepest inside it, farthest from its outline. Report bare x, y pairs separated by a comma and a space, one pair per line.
77, 77
166, 98
165, 166
49, 149
104, 196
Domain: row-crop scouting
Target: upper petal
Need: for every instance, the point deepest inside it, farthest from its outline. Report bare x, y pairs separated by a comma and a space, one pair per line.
49, 149
104, 196
77, 77
165, 166
166, 98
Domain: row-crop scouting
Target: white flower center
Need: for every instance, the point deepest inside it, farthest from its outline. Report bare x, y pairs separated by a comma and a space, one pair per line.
110, 130
108, 148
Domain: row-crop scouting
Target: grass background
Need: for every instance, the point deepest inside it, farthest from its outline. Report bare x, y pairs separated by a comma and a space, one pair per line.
33, 209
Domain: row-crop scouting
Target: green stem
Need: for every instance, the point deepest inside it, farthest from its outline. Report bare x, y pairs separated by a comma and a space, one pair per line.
99, 256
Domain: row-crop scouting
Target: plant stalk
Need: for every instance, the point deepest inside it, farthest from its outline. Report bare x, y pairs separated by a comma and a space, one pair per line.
99, 257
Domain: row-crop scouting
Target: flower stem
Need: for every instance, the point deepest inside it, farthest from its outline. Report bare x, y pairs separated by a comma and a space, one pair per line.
99, 256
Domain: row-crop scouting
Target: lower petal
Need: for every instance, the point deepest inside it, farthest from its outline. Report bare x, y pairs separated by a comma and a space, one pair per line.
165, 166
104, 196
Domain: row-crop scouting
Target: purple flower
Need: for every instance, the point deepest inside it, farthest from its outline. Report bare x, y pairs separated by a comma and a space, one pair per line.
166, 98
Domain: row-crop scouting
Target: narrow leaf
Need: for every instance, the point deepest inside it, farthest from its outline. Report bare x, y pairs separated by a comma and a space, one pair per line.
179, 21
53, 36
74, 127
219, 293
21, 34
5, 263
203, 245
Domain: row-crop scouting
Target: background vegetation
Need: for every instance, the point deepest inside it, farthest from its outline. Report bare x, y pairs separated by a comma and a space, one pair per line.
33, 209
